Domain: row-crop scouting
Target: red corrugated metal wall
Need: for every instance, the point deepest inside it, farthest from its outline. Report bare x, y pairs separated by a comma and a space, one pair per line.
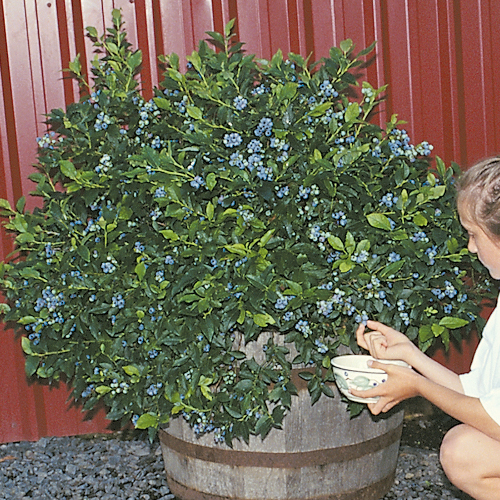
437, 56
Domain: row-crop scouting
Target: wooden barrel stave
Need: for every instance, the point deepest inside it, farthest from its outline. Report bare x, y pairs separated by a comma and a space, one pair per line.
320, 454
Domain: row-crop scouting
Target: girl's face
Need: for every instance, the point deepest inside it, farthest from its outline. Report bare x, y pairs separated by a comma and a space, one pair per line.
483, 244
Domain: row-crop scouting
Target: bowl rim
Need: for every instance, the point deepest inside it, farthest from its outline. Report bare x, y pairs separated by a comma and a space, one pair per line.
337, 363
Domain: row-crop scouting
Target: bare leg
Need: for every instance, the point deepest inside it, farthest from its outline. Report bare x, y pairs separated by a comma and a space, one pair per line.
471, 460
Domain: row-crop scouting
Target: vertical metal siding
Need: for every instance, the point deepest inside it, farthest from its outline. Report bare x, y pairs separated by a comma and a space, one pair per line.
437, 57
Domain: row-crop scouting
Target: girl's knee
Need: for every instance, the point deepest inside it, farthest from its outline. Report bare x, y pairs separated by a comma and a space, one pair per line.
453, 453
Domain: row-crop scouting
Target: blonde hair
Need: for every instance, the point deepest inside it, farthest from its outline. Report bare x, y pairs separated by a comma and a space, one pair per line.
478, 195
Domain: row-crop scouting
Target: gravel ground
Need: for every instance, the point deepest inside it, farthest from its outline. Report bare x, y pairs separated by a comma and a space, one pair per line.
112, 467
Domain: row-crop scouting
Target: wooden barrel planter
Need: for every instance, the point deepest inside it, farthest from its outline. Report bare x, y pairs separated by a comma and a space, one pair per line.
320, 454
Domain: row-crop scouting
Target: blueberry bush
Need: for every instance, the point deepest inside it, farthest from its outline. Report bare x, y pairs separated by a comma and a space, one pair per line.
246, 196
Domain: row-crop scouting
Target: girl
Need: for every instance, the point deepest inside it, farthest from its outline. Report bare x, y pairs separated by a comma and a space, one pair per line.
470, 452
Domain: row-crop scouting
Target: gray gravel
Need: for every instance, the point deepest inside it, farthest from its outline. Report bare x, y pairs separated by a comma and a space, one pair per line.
110, 467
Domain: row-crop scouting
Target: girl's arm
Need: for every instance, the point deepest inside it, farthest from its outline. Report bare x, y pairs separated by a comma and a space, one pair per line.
384, 342
434, 382
432, 370
404, 383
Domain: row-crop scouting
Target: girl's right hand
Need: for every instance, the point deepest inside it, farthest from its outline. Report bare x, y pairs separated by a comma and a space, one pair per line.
383, 342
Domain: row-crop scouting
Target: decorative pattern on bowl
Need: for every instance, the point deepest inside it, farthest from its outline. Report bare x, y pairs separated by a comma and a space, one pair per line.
352, 372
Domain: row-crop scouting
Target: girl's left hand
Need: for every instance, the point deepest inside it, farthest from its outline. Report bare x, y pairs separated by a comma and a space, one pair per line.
383, 342
401, 384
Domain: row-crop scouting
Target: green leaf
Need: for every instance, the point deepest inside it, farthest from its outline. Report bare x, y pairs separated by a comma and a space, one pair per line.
26, 320
112, 48
92, 31
346, 265
195, 59
216, 36
29, 273
452, 245
168, 234
68, 169
346, 45
336, 243
26, 345
75, 66
161, 102
404, 197
117, 17
211, 181
233, 413
194, 112
399, 235
140, 270
241, 317
295, 288
379, 221
265, 239
425, 333
363, 246
147, 420
263, 320
206, 392
321, 109
327, 391
189, 298
4, 308
131, 370
83, 252
368, 49
453, 322
437, 192
210, 210
244, 385
437, 330
73, 187
42, 372
24, 238
237, 248
352, 112
420, 220
445, 338
263, 426
392, 268
350, 244
441, 167
175, 75
125, 213
135, 60
228, 28
103, 389
21, 202
31, 365
20, 223
4, 204
288, 91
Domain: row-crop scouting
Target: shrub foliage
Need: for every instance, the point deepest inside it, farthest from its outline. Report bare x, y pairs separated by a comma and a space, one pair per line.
247, 196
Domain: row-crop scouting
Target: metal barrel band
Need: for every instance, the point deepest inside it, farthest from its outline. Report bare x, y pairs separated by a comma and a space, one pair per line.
293, 460
374, 490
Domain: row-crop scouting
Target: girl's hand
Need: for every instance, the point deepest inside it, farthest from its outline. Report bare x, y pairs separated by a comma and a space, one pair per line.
383, 342
401, 384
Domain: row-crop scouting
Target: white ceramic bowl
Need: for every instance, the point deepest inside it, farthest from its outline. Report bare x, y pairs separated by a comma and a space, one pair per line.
352, 372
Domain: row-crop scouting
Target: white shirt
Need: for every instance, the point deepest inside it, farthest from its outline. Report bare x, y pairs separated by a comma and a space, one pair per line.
483, 380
